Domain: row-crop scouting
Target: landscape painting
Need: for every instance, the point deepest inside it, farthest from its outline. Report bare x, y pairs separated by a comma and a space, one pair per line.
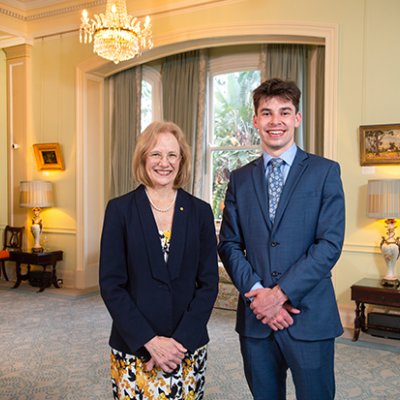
380, 144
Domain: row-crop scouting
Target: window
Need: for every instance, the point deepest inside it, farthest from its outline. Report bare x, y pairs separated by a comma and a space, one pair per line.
232, 139
151, 95
146, 104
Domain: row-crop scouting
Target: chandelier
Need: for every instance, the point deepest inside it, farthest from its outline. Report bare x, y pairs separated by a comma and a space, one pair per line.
116, 35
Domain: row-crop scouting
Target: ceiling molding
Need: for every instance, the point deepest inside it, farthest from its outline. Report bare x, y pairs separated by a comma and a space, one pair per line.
30, 4
31, 10
12, 14
22, 15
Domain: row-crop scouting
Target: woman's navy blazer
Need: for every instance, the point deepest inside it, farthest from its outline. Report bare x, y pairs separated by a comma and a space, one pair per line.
147, 296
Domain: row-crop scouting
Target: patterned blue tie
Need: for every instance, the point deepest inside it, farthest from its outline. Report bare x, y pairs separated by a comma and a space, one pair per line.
275, 185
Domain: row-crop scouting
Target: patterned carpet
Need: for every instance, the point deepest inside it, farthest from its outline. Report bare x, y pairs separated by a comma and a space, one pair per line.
54, 346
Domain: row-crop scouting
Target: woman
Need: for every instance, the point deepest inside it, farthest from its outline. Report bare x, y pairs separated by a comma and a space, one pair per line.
158, 274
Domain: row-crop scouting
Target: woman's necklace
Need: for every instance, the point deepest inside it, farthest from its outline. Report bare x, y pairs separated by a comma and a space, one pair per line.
163, 210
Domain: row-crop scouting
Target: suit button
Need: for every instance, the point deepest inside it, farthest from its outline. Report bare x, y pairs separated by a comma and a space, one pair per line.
275, 274
274, 244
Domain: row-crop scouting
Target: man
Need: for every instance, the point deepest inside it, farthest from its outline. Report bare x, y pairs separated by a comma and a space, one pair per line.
281, 234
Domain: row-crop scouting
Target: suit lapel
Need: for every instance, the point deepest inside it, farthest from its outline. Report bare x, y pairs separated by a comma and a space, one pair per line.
295, 173
178, 237
260, 187
153, 245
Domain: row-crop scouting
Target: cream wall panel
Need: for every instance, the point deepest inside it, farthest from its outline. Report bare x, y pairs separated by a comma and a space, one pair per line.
90, 177
93, 200
54, 61
380, 58
19, 83
54, 116
3, 142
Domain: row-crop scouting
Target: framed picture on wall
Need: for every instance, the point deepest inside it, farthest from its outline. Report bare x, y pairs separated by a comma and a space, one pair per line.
48, 156
380, 144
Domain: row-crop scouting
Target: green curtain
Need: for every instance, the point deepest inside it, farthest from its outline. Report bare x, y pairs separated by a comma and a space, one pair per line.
180, 88
199, 146
319, 119
125, 127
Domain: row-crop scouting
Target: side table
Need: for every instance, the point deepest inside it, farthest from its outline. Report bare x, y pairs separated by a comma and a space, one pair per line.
371, 291
42, 259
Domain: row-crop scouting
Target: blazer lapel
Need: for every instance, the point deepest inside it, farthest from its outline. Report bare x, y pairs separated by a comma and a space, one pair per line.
178, 237
295, 173
153, 244
260, 187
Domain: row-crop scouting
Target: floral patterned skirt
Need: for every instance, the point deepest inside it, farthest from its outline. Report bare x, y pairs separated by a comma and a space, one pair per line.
131, 382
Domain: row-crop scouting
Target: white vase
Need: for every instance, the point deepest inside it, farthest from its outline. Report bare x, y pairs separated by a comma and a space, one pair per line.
390, 251
36, 230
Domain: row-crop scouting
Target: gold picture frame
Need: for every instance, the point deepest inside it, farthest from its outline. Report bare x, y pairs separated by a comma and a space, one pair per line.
48, 156
380, 144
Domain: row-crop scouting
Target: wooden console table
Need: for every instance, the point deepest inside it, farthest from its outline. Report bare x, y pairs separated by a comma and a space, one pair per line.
42, 259
371, 291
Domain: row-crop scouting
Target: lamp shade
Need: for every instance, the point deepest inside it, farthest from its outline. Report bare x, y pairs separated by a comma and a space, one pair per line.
384, 198
36, 194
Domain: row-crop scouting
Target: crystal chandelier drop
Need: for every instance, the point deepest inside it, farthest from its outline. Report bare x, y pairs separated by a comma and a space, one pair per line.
116, 35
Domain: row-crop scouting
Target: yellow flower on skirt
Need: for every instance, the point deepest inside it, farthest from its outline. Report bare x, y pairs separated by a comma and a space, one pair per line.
140, 381
133, 383
190, 396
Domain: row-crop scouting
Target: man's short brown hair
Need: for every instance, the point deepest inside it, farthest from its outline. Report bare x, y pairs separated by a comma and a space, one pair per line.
275, 87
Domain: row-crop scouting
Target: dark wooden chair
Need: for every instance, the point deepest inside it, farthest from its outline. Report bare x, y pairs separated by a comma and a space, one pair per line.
12, 242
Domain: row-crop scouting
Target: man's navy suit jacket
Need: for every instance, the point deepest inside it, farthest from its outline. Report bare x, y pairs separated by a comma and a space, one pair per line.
297, 252
147, 296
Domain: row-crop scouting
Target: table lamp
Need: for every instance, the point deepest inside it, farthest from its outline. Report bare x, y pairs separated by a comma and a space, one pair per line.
36, 195
384, 202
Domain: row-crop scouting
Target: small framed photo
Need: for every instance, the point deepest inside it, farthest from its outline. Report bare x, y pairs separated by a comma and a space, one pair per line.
380, 144
48, 156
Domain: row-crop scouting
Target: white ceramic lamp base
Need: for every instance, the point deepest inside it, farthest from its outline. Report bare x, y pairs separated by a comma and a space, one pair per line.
390, 248
36, 230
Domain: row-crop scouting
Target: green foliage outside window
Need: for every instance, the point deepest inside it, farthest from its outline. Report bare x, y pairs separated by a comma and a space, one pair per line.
233, 127
225, 161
